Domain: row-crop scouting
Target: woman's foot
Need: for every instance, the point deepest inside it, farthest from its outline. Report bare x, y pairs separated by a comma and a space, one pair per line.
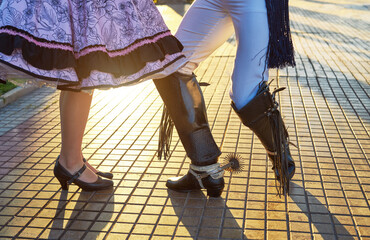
73, 166
89, 166
84, 180
108, 175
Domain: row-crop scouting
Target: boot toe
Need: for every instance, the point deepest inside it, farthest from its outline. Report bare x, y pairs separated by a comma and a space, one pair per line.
181, 184
291, 171
188, 183
172, 182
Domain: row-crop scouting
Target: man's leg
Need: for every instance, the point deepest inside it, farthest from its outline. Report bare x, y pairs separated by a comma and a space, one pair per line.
252, 100
185, 104
204, 28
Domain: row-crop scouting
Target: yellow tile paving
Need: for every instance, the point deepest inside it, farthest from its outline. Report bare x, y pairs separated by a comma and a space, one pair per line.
325, 106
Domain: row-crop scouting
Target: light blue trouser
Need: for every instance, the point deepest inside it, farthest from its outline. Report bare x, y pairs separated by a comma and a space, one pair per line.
209, 23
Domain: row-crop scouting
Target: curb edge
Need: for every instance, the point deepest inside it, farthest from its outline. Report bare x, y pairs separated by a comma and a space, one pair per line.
15, 94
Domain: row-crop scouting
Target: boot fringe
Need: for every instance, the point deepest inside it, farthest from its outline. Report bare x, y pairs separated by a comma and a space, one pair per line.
165, 134
281, 142
263, 117
280, 49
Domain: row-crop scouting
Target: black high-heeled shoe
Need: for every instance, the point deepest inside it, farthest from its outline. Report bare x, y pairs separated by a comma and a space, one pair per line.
65, 178
108, 175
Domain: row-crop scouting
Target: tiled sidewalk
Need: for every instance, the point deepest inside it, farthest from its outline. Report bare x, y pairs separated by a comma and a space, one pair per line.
326, 107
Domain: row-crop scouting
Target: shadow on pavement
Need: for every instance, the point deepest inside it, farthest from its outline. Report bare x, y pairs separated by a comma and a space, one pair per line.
319, 216
364, 7
199, 216
77, 219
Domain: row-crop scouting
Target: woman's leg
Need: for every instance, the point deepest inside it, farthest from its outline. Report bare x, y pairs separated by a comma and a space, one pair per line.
74, 112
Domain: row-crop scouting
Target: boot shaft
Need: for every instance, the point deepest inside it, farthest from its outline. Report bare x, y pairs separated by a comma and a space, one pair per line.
256, 113
263, 117
184, 102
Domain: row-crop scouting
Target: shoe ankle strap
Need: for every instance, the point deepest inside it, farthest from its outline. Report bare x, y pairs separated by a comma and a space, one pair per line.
77, 174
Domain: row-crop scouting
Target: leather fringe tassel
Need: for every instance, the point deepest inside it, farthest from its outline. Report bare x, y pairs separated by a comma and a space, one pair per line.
165, 134
281, 137
280, 50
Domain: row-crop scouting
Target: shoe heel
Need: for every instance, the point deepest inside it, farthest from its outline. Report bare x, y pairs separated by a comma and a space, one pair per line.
214, 192
63, 183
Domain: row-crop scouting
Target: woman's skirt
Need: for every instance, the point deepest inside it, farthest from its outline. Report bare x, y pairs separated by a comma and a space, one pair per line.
85, 44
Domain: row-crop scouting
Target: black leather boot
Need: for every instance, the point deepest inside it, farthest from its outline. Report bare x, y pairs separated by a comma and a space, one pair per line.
200, 177
263, 117
184, 102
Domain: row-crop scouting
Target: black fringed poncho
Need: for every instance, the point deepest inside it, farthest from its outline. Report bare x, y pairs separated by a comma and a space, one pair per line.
280, 49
